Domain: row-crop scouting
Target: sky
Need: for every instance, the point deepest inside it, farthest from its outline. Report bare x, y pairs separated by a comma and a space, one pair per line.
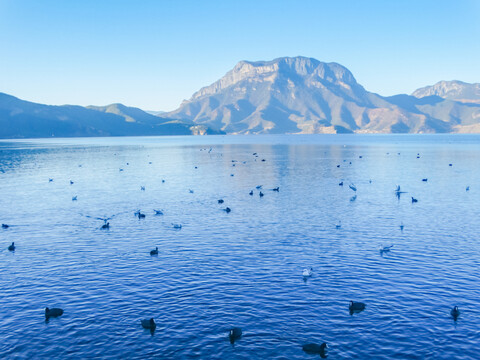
154, 54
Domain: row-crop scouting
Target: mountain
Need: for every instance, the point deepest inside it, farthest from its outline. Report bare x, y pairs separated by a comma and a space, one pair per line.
304, 95
452, 90
23, 119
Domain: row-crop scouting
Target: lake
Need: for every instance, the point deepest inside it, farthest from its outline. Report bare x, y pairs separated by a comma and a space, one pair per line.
242, 268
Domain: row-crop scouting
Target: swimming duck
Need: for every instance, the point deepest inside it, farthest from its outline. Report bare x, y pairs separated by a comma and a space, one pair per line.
384, 249
356, 306
71, 182
315, 349
340, 183
260, 194
277, 189
220, 201
106, 226
425, 179
74, 198
12, 247
307, 272
5, 226
177, 226
227, 209
251, 192
53, 312
235, 334
148, 324
414, 200
155, 251
455, 312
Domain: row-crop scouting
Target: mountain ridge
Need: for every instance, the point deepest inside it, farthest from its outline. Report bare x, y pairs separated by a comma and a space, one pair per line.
305, 95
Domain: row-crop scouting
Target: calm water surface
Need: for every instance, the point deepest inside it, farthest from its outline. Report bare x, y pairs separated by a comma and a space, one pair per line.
243, 268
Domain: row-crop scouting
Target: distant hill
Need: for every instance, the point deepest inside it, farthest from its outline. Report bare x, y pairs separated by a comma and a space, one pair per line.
23, 119
304, 95
452, 90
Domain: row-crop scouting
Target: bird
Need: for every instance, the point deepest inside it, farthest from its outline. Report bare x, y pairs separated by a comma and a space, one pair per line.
384, 249
307, 272
227, 209
106, 225
353, 187
220, 201
315, 349
142, 188
190, 191
12, 247
5, 226
353, 198
401, 226
414, 200
450, 164
177, 226
155, 251
251, 192
53, 312
50, 180
467, 188
71, 182
260, 194
340, 183
235, 334
140, 214
339, 225
158, 212
258, 187
425, 179
74, 198
338, 166
356, 306
149, 324
277, 189
455, 312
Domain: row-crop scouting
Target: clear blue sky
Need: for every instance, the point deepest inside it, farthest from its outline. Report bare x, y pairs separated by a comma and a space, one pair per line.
154, 54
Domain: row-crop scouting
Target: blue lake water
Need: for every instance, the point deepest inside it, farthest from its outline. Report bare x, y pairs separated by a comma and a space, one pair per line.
242, 268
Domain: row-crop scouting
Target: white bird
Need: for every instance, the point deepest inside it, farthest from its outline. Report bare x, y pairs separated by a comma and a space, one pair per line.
307, 272
385, 248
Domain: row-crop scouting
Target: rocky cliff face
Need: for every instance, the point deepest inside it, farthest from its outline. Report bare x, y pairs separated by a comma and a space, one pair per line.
304, 95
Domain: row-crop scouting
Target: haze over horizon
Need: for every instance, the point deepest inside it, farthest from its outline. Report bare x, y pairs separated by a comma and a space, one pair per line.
156, 54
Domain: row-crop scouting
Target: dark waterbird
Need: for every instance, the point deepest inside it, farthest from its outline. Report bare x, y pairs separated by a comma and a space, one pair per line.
74, 198
71, 182
355, 307
425, 179
105, 226
251, 192
455, 312
467, 188
140, 215
260, 194
340, 183
414, 200
227, 209
12, 247
5, 226
158, 212
315, 349
277, 189
155, 251
149, 324
235, 334
53, 312
220, 201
